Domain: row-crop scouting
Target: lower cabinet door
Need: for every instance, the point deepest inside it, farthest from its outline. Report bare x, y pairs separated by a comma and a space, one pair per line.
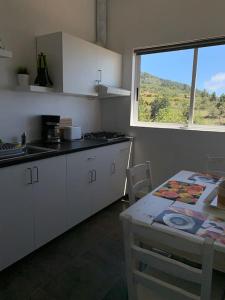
49, 188
109, 183
79, 177
16, 214
87, 183
99, 189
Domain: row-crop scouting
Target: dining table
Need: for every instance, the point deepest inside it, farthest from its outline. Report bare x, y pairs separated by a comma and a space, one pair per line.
147, 210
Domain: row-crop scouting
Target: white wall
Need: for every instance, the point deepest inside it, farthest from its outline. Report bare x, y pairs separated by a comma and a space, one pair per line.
136, 23
20, 22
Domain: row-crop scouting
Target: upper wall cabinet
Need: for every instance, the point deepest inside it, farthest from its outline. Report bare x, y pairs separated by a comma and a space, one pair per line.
77, 66
109, 67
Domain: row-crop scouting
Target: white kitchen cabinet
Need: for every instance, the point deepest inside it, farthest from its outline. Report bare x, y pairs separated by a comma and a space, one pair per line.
109, 67
99, 187
49, 197
32, 207
42, 199
119, 160
80, 67
77, 66
85, 184
16, 213
78, 179
95, 179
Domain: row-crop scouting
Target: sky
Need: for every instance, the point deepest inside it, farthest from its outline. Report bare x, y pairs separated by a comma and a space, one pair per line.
177, 66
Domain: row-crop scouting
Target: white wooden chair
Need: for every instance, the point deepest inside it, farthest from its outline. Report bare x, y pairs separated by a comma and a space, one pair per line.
164, 277
215, 164
139, 181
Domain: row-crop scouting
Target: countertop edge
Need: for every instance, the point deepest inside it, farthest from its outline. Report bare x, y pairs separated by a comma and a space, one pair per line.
34, 157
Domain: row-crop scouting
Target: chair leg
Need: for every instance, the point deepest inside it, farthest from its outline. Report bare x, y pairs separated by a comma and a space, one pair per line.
132, 293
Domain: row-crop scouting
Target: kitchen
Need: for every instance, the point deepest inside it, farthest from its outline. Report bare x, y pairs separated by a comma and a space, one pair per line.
53, 173
129, 26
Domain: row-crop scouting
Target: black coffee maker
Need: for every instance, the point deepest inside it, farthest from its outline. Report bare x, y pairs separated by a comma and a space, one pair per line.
50, 128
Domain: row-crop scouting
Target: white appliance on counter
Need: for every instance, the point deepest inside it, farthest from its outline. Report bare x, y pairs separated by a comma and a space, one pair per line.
72, 133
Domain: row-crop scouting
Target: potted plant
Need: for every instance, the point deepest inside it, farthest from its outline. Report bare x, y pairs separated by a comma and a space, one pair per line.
23, 76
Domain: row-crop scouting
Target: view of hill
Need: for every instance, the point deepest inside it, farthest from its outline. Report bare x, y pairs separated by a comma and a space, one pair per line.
168, 101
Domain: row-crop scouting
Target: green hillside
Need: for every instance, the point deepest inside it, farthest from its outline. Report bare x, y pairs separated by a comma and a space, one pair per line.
154, 83
168, 101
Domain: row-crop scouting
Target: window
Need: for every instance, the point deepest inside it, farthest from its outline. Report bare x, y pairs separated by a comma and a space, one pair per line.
180, 85
210, 87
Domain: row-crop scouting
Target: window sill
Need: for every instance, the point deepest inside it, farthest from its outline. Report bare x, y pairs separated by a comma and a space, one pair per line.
179, 126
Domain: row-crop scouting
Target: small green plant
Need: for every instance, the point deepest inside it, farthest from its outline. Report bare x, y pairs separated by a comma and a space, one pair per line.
22, 70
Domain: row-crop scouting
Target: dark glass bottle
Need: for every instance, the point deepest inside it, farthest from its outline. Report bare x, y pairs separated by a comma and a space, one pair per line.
43, 78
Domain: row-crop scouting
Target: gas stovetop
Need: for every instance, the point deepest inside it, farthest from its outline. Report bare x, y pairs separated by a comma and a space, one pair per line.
104, 135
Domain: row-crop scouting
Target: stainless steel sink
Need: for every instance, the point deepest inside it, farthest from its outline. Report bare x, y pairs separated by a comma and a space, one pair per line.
30, 150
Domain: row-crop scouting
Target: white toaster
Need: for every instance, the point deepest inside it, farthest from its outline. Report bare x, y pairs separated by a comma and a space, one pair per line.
72, 133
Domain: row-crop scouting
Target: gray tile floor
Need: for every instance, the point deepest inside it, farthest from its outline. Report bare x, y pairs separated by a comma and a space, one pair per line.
85, 263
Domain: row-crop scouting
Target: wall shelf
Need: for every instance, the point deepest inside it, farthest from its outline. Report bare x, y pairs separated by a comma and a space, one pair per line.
102, 92
35, 89
5, 53
48, 90
111, 92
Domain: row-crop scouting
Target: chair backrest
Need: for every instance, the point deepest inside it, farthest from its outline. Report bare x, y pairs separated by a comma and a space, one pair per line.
153, 236
138, 178
215, 164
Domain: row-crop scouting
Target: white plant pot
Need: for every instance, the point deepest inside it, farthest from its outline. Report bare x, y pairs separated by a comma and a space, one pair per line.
23, 80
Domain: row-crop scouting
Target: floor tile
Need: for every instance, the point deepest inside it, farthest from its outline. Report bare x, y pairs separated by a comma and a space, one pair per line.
88, 281
40, 294
85, 263
18, 289
82, 264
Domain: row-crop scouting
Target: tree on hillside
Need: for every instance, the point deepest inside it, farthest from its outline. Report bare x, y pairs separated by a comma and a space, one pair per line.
156, 106
222, 98
204, 93
221, 105
213, 111
213, 97
170, 115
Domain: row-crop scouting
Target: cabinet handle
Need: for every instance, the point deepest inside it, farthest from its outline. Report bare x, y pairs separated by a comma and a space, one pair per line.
100, 77
91, 157
95, 175
123, 149
90, 177
113, 168
31, 178
37, 175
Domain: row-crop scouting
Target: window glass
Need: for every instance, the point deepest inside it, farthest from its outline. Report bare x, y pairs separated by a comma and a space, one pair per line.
210, 86
165, 86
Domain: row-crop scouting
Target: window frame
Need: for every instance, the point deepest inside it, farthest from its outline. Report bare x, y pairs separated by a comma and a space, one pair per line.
136, 63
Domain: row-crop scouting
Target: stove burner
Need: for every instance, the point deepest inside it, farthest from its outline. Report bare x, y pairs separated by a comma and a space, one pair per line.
103, 135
